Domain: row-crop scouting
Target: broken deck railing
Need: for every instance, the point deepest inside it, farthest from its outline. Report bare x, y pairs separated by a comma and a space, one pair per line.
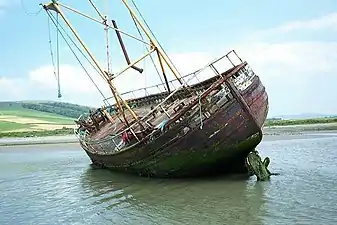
243, 78
115, 143
215, 67
111, 142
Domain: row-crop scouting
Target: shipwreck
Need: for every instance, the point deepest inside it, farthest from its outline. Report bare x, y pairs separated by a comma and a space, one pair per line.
203, 123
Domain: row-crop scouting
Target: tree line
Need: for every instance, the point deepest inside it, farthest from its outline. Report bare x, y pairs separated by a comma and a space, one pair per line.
60, 108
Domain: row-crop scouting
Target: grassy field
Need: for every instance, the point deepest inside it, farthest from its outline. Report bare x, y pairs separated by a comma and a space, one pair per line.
10, 126
300, 122
16, 121
37, 133
33, 114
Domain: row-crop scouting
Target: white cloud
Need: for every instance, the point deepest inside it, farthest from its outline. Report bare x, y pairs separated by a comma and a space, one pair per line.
11, 88
72, 78
299, 76
188, 62
40, 84
326, 22
290, 72
77, 87
298, 57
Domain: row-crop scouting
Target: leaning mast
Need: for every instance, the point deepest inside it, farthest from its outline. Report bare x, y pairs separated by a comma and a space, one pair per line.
55, 7
109, 77
158, 49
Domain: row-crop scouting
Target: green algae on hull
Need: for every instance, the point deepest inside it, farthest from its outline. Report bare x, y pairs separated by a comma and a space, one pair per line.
197, 159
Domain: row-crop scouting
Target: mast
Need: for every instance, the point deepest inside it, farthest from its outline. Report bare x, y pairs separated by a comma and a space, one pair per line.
106, 28
54, 6
151, 42
159, 50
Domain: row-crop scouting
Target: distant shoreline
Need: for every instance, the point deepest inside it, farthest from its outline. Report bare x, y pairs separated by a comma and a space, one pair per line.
304, 127
71, 138
60, 139
314, 121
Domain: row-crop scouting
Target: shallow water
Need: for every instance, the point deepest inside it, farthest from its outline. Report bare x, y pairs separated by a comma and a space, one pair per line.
54, 184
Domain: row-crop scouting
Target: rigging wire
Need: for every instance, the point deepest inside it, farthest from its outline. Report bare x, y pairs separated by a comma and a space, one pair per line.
58, 59
144, 66
106, 28
154, 64
78, 48
107, 50
57, 76
52, 19
96, 9
148, 27
30, 13
51, 49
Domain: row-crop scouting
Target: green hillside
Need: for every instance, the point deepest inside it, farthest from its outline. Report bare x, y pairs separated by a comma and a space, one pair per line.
45, 118
281, 122
32, 118
35, 107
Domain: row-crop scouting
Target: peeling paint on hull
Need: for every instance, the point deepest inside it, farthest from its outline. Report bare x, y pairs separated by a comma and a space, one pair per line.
221, 146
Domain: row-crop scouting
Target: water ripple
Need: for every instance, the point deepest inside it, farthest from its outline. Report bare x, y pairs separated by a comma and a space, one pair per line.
58, 187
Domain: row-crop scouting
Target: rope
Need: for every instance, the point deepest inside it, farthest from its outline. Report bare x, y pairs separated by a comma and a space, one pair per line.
144, 66
52, 19
57, 76
78, 48
201, 122
51, 49
93, 66
58, 59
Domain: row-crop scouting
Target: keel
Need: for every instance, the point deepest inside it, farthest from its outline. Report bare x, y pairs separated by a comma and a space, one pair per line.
258, 168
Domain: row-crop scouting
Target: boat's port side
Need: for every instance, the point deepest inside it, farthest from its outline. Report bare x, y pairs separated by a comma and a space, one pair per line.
204, 122
198, 81
196, 108
256, 98
215, 131
209, 99
220, 146
207, 128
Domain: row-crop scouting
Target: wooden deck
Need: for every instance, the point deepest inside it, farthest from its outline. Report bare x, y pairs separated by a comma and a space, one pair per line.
110, 129
171, 108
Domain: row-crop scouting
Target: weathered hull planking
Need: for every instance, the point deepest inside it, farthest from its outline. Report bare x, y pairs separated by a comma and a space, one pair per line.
206, 122
218, 143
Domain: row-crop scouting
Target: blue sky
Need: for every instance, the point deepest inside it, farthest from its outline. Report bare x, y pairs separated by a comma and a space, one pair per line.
291, 45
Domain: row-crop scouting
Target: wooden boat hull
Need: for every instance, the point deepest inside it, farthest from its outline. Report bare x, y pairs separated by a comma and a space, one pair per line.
158, 134
221, 146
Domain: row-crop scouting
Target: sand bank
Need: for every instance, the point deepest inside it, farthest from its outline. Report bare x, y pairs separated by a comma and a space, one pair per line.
269, 133
38, 140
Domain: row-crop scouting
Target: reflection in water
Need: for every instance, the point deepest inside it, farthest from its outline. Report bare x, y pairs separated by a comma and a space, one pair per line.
224, 200
53, 185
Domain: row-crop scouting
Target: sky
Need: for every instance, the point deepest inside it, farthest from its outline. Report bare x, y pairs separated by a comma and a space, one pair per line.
291, 46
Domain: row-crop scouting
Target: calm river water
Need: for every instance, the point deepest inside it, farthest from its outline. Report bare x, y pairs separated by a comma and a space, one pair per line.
54, 184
